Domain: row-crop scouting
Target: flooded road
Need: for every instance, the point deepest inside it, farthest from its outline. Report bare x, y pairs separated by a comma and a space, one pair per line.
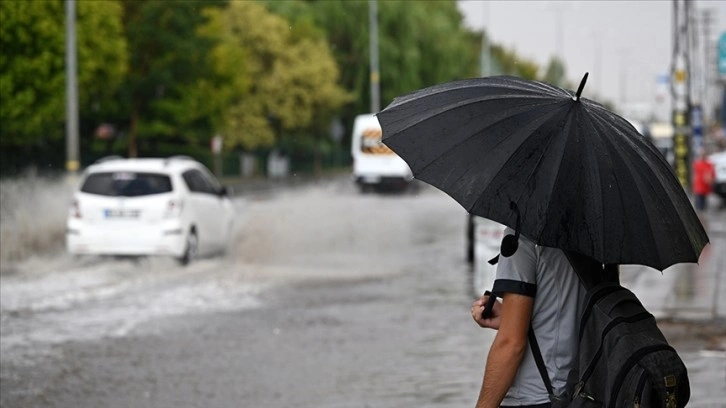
327, 298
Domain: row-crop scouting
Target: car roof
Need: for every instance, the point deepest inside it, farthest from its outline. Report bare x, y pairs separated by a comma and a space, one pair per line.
161, 165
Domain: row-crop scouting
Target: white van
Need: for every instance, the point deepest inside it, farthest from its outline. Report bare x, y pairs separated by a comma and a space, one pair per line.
374, 164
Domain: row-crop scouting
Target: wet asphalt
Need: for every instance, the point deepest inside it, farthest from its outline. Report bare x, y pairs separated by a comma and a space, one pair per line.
328, 298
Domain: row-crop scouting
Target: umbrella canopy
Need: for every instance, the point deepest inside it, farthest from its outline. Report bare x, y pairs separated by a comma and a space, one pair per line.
581, 177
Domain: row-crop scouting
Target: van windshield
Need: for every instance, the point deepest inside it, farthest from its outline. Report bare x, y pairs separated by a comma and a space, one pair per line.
126, 184
370, 142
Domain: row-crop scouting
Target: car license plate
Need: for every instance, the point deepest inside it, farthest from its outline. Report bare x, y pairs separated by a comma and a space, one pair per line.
115, 213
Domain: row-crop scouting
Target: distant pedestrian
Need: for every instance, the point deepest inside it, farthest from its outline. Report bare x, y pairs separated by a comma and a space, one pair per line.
703, 175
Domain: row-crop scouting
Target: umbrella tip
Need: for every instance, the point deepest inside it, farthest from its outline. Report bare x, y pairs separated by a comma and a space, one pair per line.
581, 87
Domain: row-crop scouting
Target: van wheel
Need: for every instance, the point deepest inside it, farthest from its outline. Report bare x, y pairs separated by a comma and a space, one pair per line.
192, 247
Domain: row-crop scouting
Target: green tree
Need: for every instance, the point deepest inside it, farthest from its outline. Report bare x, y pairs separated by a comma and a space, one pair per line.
555, 73
32, 67
420, 43
291, 75
169, 89
508, 62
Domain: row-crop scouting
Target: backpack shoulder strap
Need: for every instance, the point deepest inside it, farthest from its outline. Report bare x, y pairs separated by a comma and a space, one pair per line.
540, 361
591, 273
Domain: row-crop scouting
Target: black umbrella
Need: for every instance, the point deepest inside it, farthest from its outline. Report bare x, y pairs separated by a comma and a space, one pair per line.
581, 177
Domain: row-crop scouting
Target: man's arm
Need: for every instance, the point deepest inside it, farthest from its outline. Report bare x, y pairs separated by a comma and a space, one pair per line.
507, 350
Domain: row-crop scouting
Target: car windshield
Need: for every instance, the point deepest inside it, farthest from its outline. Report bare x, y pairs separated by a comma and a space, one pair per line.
126, 184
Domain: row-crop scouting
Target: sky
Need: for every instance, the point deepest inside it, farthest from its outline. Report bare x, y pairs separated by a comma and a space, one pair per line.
624, 45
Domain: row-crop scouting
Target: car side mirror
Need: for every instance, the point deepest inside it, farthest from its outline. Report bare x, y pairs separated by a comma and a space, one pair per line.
223, 191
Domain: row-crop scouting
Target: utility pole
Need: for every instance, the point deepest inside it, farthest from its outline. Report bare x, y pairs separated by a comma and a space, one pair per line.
623, 79
708, 63
680, 91
72, 162
559, 8
486, 54
375, 77
597, 60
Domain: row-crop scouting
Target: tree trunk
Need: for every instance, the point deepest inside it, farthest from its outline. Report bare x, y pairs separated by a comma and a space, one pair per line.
133, 131
317, 158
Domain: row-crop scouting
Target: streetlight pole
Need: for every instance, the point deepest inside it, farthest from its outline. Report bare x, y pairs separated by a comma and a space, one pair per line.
559, 8
375, 77
681, 94
597, 60
707, 63
486, 55
72, 163
558, 33
623, 79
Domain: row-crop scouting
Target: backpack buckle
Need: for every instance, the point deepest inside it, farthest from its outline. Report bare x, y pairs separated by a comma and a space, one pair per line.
670, 383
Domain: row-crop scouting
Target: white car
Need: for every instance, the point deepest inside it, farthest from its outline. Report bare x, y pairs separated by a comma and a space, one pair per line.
134, 207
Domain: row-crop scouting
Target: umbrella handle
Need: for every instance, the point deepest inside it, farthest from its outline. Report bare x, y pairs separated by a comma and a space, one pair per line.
489, 308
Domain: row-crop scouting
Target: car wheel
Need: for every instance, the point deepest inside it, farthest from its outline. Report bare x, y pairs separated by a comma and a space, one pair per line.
192, 246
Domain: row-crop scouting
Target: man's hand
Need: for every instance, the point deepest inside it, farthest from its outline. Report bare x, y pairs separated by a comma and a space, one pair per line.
477, 310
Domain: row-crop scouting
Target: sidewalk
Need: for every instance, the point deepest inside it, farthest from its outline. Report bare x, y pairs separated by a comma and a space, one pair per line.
689, 301
699, 290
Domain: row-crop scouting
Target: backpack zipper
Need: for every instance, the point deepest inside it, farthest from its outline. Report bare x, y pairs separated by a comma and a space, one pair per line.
629, 363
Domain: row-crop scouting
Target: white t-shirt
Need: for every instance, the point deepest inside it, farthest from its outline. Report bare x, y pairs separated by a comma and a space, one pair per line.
545, 274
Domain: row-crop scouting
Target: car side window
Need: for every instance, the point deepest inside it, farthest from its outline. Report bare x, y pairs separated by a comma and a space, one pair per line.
211, 181
196, 183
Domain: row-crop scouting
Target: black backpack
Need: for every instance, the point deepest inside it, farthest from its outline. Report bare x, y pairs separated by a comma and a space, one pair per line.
623, 358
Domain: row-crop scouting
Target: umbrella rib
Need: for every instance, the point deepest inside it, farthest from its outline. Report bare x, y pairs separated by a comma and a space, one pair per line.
599, 178
531, 88
473, 134
599, 119
533, 99
532, 172
666, 183
536, 166
564, 121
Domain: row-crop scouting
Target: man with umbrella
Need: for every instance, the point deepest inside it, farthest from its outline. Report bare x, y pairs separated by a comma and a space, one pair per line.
579, 184
541, 290
511, 377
